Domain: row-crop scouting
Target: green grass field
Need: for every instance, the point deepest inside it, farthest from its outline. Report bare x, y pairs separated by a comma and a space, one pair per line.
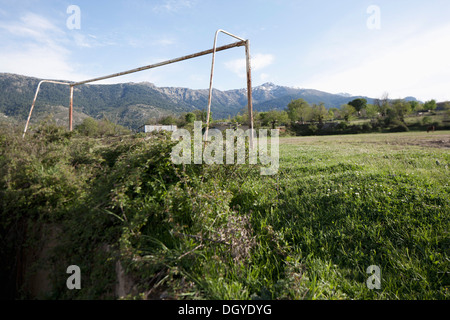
348, 202
339, 205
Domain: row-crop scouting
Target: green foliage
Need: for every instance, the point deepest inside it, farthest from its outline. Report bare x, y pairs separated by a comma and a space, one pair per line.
402, 108
100, 128
430, 105
347, 112
371, 111
169, 120
319, 113
415, 105
274, 118
359, 104
190, 117
299, 110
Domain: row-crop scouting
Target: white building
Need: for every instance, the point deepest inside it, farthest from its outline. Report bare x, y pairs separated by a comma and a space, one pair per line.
157, 127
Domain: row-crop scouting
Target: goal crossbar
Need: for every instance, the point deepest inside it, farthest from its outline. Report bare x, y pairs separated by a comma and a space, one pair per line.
215, 49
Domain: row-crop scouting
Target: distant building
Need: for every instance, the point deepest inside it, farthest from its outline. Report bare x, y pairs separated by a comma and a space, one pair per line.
157, 127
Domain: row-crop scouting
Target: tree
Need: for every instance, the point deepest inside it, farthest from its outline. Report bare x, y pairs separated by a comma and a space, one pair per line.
275, 117
414, 105
347, 112
383, 104
358, 104
447, 110
371, 111
190, 117
430, 105
401, 108
298, 110
242, 116
200, 115
169, 120
319, 112
333, 113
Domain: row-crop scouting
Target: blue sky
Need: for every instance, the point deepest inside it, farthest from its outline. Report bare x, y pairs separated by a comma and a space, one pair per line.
402, 48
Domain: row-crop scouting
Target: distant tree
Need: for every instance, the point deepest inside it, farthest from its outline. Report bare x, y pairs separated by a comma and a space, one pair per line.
299, 110
242, 116
371, 111
319, 113
383, 105
190, 117
347, 112
200, 115
447, 110
246, 118
331, 114
169, 120
415, 105
334, 113
430, 105
401, 108
359, 104
275, 117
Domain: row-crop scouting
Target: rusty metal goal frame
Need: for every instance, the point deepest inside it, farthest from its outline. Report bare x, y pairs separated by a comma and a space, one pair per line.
215, 49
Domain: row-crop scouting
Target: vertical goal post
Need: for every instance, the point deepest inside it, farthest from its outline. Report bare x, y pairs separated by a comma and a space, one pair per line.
240, 43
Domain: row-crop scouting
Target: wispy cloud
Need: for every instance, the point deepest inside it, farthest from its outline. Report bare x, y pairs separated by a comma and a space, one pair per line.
34, 46
174, 5
32, 27
258, 62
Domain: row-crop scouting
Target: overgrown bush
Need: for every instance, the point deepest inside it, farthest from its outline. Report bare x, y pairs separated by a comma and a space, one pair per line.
119, 200
100, 128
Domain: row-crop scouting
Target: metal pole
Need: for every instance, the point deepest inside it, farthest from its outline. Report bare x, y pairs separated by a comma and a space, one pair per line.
202, 53
71, 109
34, 101
212, 74
249, 90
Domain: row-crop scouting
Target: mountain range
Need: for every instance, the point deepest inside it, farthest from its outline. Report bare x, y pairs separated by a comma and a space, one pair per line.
131, 104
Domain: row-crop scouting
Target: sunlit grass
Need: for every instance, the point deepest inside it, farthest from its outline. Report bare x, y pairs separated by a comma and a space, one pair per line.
342, 203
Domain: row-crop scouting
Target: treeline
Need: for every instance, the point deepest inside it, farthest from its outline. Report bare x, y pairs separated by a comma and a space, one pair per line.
357, 116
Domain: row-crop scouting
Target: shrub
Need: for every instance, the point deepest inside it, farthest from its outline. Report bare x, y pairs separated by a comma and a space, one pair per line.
367, 127
100, 128
313, 128
398, 126
426, 120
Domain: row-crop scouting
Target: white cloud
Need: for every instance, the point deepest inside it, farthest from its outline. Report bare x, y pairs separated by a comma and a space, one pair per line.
415, 64
174, 5
34, 46
33, 27
258, 62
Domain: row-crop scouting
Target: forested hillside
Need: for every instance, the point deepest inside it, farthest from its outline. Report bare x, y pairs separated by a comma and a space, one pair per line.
132, 104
